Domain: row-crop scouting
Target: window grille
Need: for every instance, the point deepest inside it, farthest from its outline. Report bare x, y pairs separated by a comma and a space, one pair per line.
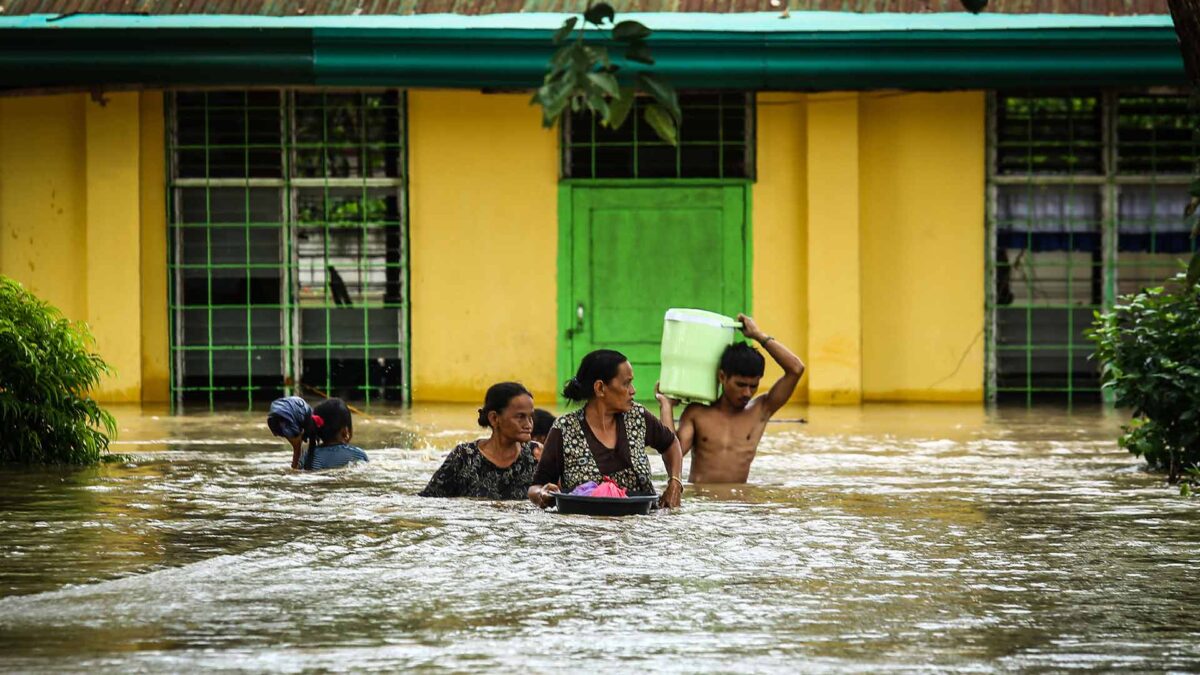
716, 140
1086, 195
288, 265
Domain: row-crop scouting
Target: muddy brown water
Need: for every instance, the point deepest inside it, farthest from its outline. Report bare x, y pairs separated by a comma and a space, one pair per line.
901, 538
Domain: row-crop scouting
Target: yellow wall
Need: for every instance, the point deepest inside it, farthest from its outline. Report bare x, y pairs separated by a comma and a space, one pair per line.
483, 233
867, 237
43, 227
156, 373
922, 187
71, 224
868, 219
834, 302
114, 240
780, 227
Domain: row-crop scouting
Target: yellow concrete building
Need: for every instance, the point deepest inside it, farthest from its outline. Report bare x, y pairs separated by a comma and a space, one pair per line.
229, 241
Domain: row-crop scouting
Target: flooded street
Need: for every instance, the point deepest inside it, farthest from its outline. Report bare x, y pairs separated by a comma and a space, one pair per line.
875, 538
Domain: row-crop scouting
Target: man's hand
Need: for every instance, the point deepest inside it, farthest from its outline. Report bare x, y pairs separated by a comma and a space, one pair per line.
670, 496
663, 399
545, 495
751, 329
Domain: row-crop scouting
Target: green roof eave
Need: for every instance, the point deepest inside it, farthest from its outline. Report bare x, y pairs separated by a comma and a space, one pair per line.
834, 53
746, 22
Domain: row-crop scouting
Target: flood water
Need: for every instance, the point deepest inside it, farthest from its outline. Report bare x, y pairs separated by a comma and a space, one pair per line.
875, 538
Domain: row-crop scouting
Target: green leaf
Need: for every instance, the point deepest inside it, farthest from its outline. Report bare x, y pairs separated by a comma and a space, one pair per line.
619, 107
606, 83
554, 98
597, 13
663, 124
1193, 272
1191, 207
563, 55
663, 93
597, 104
597, 55
564, 32
630, 30
1194, 188
640, 52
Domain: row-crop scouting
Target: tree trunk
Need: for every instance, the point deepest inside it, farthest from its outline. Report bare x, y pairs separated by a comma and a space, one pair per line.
1186, 14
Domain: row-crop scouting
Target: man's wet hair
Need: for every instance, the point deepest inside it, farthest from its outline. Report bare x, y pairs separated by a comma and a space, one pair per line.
542, 421
740, 359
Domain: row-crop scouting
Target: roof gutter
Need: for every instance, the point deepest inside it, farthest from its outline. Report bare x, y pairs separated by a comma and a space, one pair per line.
45, 56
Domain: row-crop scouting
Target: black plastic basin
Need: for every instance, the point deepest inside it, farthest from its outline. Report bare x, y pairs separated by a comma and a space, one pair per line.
605, 506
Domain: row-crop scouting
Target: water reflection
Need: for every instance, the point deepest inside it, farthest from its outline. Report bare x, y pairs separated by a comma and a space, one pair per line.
883, 537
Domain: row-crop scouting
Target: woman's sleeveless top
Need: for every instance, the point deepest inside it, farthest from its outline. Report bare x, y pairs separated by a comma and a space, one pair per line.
579, 464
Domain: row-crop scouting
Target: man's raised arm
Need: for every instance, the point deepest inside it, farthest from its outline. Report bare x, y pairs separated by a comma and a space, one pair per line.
793, 367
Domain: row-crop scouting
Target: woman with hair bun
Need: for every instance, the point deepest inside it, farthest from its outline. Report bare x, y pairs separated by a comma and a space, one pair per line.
607, 437
500, 466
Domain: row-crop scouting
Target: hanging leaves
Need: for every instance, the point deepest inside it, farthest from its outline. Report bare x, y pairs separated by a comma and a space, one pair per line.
565, 32
619, 109
662, 92
660, 120
606, 82
582, 76
597, 13
630, 30
639, 51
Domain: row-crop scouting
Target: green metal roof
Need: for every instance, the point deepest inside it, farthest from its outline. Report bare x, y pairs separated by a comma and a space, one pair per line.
750, 22
752, 51
369, 7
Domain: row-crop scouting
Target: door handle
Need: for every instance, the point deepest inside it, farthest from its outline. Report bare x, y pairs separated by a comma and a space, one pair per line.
578, 327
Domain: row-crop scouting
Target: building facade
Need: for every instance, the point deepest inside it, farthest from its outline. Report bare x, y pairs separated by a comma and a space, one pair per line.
927, 207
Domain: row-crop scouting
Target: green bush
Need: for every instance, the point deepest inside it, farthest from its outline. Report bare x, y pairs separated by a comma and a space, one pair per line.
1149, 353
47, 368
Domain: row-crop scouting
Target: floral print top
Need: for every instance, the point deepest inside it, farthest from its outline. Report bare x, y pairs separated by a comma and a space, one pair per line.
467, 473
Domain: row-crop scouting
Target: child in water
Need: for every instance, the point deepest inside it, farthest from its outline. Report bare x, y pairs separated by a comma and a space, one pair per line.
328, 430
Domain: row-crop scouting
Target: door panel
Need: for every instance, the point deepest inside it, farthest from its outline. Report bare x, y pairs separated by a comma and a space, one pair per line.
637, 251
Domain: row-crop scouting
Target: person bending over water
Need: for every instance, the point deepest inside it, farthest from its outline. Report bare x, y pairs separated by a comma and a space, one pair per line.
290, 418
500, 466
606, 437
331, 424
724, 435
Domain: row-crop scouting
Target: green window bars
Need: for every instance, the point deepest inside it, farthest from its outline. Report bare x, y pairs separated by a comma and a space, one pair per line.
1086, 193
715, 141
288, 264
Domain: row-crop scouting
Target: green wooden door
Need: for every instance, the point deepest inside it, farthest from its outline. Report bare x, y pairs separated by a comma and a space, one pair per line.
628, 253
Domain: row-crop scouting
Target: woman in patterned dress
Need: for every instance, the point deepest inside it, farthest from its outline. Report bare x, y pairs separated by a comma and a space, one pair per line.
606, 437
498, 467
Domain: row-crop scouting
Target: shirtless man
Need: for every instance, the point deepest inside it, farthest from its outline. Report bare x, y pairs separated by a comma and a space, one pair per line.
725, 434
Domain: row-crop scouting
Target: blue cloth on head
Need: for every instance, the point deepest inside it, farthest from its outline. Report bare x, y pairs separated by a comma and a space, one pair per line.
290, 413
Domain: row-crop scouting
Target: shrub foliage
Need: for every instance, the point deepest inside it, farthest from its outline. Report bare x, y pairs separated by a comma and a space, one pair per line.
47, 368
1149, 353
